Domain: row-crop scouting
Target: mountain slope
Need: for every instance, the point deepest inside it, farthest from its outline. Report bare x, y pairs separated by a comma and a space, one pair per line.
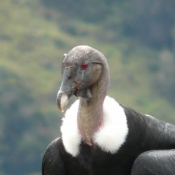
34, 38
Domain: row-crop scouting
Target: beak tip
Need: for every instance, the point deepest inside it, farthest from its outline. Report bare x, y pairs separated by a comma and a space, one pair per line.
62, 100
59, 107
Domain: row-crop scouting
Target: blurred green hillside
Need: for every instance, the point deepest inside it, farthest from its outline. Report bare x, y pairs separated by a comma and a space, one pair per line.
137, 37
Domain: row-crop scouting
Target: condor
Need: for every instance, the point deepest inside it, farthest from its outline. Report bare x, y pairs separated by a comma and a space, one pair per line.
99, 135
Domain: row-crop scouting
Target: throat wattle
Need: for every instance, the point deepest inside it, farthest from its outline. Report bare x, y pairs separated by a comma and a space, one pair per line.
88, 128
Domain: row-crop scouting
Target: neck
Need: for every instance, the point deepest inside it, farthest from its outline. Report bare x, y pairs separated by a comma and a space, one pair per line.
90, 114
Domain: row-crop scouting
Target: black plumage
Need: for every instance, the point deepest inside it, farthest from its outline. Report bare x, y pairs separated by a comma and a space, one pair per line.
145, 133
159, 162
145, 147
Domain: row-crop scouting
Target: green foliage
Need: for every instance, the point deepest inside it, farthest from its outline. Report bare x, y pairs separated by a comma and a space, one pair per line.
33, 37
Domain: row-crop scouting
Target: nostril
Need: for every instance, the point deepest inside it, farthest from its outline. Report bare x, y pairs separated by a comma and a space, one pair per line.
69, 77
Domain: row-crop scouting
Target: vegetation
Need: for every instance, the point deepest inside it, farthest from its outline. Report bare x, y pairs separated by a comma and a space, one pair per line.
137, 37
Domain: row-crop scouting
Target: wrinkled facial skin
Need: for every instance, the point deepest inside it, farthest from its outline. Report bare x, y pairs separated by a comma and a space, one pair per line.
77, 78
80, 73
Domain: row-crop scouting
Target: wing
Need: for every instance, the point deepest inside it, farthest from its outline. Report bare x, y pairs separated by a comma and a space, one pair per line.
52, 162
151, 133
159, 162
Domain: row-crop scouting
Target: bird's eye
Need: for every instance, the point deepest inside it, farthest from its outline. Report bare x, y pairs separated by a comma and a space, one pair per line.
84, 66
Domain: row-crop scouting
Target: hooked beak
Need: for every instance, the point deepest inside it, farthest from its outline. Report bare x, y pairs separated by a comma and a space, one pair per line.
66, 92
62, 100
69, 88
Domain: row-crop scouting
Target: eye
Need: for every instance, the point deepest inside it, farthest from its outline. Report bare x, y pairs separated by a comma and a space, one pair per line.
84, 66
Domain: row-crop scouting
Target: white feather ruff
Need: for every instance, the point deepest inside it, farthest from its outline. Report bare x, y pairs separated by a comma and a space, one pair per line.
110, 137
70, 134
113, 134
